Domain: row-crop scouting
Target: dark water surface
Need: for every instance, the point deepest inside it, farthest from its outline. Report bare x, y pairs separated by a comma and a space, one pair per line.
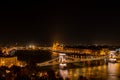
33, 56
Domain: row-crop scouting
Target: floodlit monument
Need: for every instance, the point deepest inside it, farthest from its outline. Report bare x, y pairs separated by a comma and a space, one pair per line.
57, 46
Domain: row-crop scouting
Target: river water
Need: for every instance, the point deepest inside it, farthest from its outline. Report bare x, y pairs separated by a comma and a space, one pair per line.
110, 71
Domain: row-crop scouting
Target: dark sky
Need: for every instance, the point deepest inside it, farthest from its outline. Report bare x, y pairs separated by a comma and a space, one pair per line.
70, 22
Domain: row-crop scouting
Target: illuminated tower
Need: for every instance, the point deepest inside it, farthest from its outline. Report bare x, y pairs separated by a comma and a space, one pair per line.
57, 46
62, 60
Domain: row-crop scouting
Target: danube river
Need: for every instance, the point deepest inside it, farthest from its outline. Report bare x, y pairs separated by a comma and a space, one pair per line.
110, 71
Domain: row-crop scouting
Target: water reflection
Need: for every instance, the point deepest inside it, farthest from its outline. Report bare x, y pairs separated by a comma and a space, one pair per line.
103, 72
64, 74
113, 71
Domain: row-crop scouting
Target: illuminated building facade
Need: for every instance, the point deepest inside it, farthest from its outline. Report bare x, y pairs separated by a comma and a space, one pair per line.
57, 46
10, 61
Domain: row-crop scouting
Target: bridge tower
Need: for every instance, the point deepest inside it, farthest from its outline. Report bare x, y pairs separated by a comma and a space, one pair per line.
62, 60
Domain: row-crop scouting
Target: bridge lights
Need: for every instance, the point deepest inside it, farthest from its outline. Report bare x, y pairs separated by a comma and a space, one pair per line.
112, 56
62, 60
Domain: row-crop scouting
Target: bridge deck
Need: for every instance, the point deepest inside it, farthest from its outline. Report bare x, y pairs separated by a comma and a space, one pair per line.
69, 60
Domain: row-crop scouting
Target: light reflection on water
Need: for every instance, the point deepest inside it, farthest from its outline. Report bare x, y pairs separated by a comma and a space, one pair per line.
64, 73
114, 71
103, 72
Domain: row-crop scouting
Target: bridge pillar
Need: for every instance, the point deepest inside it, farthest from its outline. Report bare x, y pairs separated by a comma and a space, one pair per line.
62, 60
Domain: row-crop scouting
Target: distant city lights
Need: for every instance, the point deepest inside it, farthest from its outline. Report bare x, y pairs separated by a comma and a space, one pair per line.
31, 46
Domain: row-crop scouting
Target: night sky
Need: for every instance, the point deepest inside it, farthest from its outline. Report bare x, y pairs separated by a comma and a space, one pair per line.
69, 22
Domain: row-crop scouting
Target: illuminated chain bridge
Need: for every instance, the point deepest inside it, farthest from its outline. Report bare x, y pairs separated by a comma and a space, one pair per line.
68, 59
63, 58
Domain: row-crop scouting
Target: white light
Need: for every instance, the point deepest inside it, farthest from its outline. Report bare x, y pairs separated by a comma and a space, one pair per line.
112, 60
7, 71
64, 74
61, 64
62, 54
